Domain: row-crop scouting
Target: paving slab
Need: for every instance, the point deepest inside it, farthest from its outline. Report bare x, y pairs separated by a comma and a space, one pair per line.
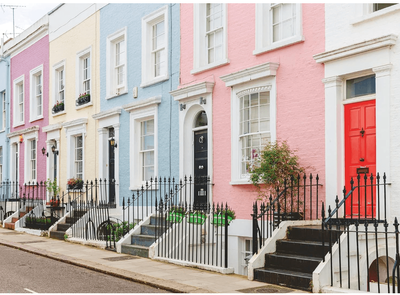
159, 274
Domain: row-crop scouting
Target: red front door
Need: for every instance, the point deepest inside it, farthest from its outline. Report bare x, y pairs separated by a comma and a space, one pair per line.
360, 156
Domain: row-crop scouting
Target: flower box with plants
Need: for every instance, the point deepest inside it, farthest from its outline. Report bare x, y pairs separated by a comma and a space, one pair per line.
75, 183
197, 217
275, 175
83, 98
58, 107
221, 215
176, 214
42, 223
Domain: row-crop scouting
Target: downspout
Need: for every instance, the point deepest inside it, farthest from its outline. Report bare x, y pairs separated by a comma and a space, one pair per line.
170, 89
7, 121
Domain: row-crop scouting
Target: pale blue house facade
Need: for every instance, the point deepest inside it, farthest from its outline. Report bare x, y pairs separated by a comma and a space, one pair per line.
4, 117
138, 121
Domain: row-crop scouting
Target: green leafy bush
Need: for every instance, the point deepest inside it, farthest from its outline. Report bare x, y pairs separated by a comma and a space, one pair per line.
118, 230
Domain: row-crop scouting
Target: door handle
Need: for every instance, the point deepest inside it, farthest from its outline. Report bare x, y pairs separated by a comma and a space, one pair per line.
201, 167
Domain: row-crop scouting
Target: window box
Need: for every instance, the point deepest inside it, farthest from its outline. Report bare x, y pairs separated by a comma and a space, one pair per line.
219, 219
75, 184
58, 107
83, 99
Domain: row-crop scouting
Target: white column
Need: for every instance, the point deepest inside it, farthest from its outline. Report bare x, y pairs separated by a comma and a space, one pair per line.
116, 162
103, 132
382, 75
334, 160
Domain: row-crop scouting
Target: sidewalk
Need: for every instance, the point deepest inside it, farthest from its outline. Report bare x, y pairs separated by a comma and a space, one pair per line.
157, 274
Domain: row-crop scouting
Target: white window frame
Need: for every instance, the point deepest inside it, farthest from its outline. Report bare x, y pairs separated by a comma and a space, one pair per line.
76, 161
200, 59
111, 87
1, 165
137, 116
28, 167
365, 12
4, 108
16, 105
148, 73
33, 104
57, 68
79, 86
263, 34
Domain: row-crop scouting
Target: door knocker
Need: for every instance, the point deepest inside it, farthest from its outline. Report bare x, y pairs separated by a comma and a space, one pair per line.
201, 139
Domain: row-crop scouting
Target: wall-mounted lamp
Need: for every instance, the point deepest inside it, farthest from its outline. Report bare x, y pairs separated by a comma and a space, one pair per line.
44, 152
203, 100
113, 143
53, 149
183, 106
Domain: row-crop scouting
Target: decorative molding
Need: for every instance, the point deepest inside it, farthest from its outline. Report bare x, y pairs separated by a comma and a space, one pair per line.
76, 122
23, 131
152, 101
332, 81
254, 90
365, 46
52, 127
23, 41
192, 90
257, 72
108, 113
382, 71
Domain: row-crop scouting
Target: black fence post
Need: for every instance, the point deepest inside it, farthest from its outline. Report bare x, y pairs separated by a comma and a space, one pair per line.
226, 235
254, 215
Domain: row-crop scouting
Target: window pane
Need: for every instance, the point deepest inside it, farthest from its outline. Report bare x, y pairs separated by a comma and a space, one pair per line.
360, 86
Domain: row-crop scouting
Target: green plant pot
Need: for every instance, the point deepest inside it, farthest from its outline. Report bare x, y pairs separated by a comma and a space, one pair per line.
198, 218
175, 217
220, 219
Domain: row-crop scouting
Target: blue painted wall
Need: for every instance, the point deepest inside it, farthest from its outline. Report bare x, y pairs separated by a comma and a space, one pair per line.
5, 86
117, 16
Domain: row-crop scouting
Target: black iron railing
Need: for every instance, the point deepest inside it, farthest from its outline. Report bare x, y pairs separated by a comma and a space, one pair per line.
143, 201
192, 233
298, 200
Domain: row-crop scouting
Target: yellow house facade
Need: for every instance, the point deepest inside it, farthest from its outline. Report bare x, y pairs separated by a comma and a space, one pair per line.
74, 93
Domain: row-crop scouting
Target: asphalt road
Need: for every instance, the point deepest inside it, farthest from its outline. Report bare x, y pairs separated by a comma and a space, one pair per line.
22, 272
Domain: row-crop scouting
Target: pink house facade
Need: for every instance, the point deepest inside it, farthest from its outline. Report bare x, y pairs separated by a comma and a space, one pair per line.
29, 103
253, 60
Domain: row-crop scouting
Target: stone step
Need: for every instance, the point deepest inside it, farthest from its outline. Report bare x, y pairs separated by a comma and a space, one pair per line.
63, 226
135, 250
142, 240
313, 233
304, 248
14, 219
9, 225
292, 279
59, 235
292, 262
150, 230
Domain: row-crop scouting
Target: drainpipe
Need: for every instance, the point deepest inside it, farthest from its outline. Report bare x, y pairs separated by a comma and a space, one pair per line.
2, 59
170, 88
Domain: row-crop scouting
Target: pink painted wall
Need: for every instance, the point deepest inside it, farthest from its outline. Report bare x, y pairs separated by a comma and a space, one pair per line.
300, 94
35, 55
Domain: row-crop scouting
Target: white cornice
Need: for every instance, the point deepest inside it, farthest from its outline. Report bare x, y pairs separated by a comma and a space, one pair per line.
381, 42
76, 122
142, 103
257, 72
52, 127
108, 113
23, 131
193, 90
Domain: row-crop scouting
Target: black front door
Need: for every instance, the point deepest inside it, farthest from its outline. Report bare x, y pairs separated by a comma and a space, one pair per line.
200, 167
111, 173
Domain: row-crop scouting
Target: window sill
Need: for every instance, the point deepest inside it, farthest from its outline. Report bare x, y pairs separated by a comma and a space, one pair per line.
279, 44
154, 81
3, 130
241, 182
376, 14
59, 113
89, 104
116, 95
36, 119
19, 124
210, 66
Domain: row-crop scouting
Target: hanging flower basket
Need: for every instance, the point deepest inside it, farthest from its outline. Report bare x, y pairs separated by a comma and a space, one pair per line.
175, 217
197, 217
219, 219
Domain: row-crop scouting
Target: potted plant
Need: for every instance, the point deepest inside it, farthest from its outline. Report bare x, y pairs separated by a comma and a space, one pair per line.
75, 183
274, 172
176, 214
83, 98
197, 217
53, 190
221, 214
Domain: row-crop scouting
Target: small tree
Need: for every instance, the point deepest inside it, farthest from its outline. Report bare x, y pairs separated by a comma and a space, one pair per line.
275, 164
52, 187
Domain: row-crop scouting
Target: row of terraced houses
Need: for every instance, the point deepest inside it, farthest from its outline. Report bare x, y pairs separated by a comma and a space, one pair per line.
141, 97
